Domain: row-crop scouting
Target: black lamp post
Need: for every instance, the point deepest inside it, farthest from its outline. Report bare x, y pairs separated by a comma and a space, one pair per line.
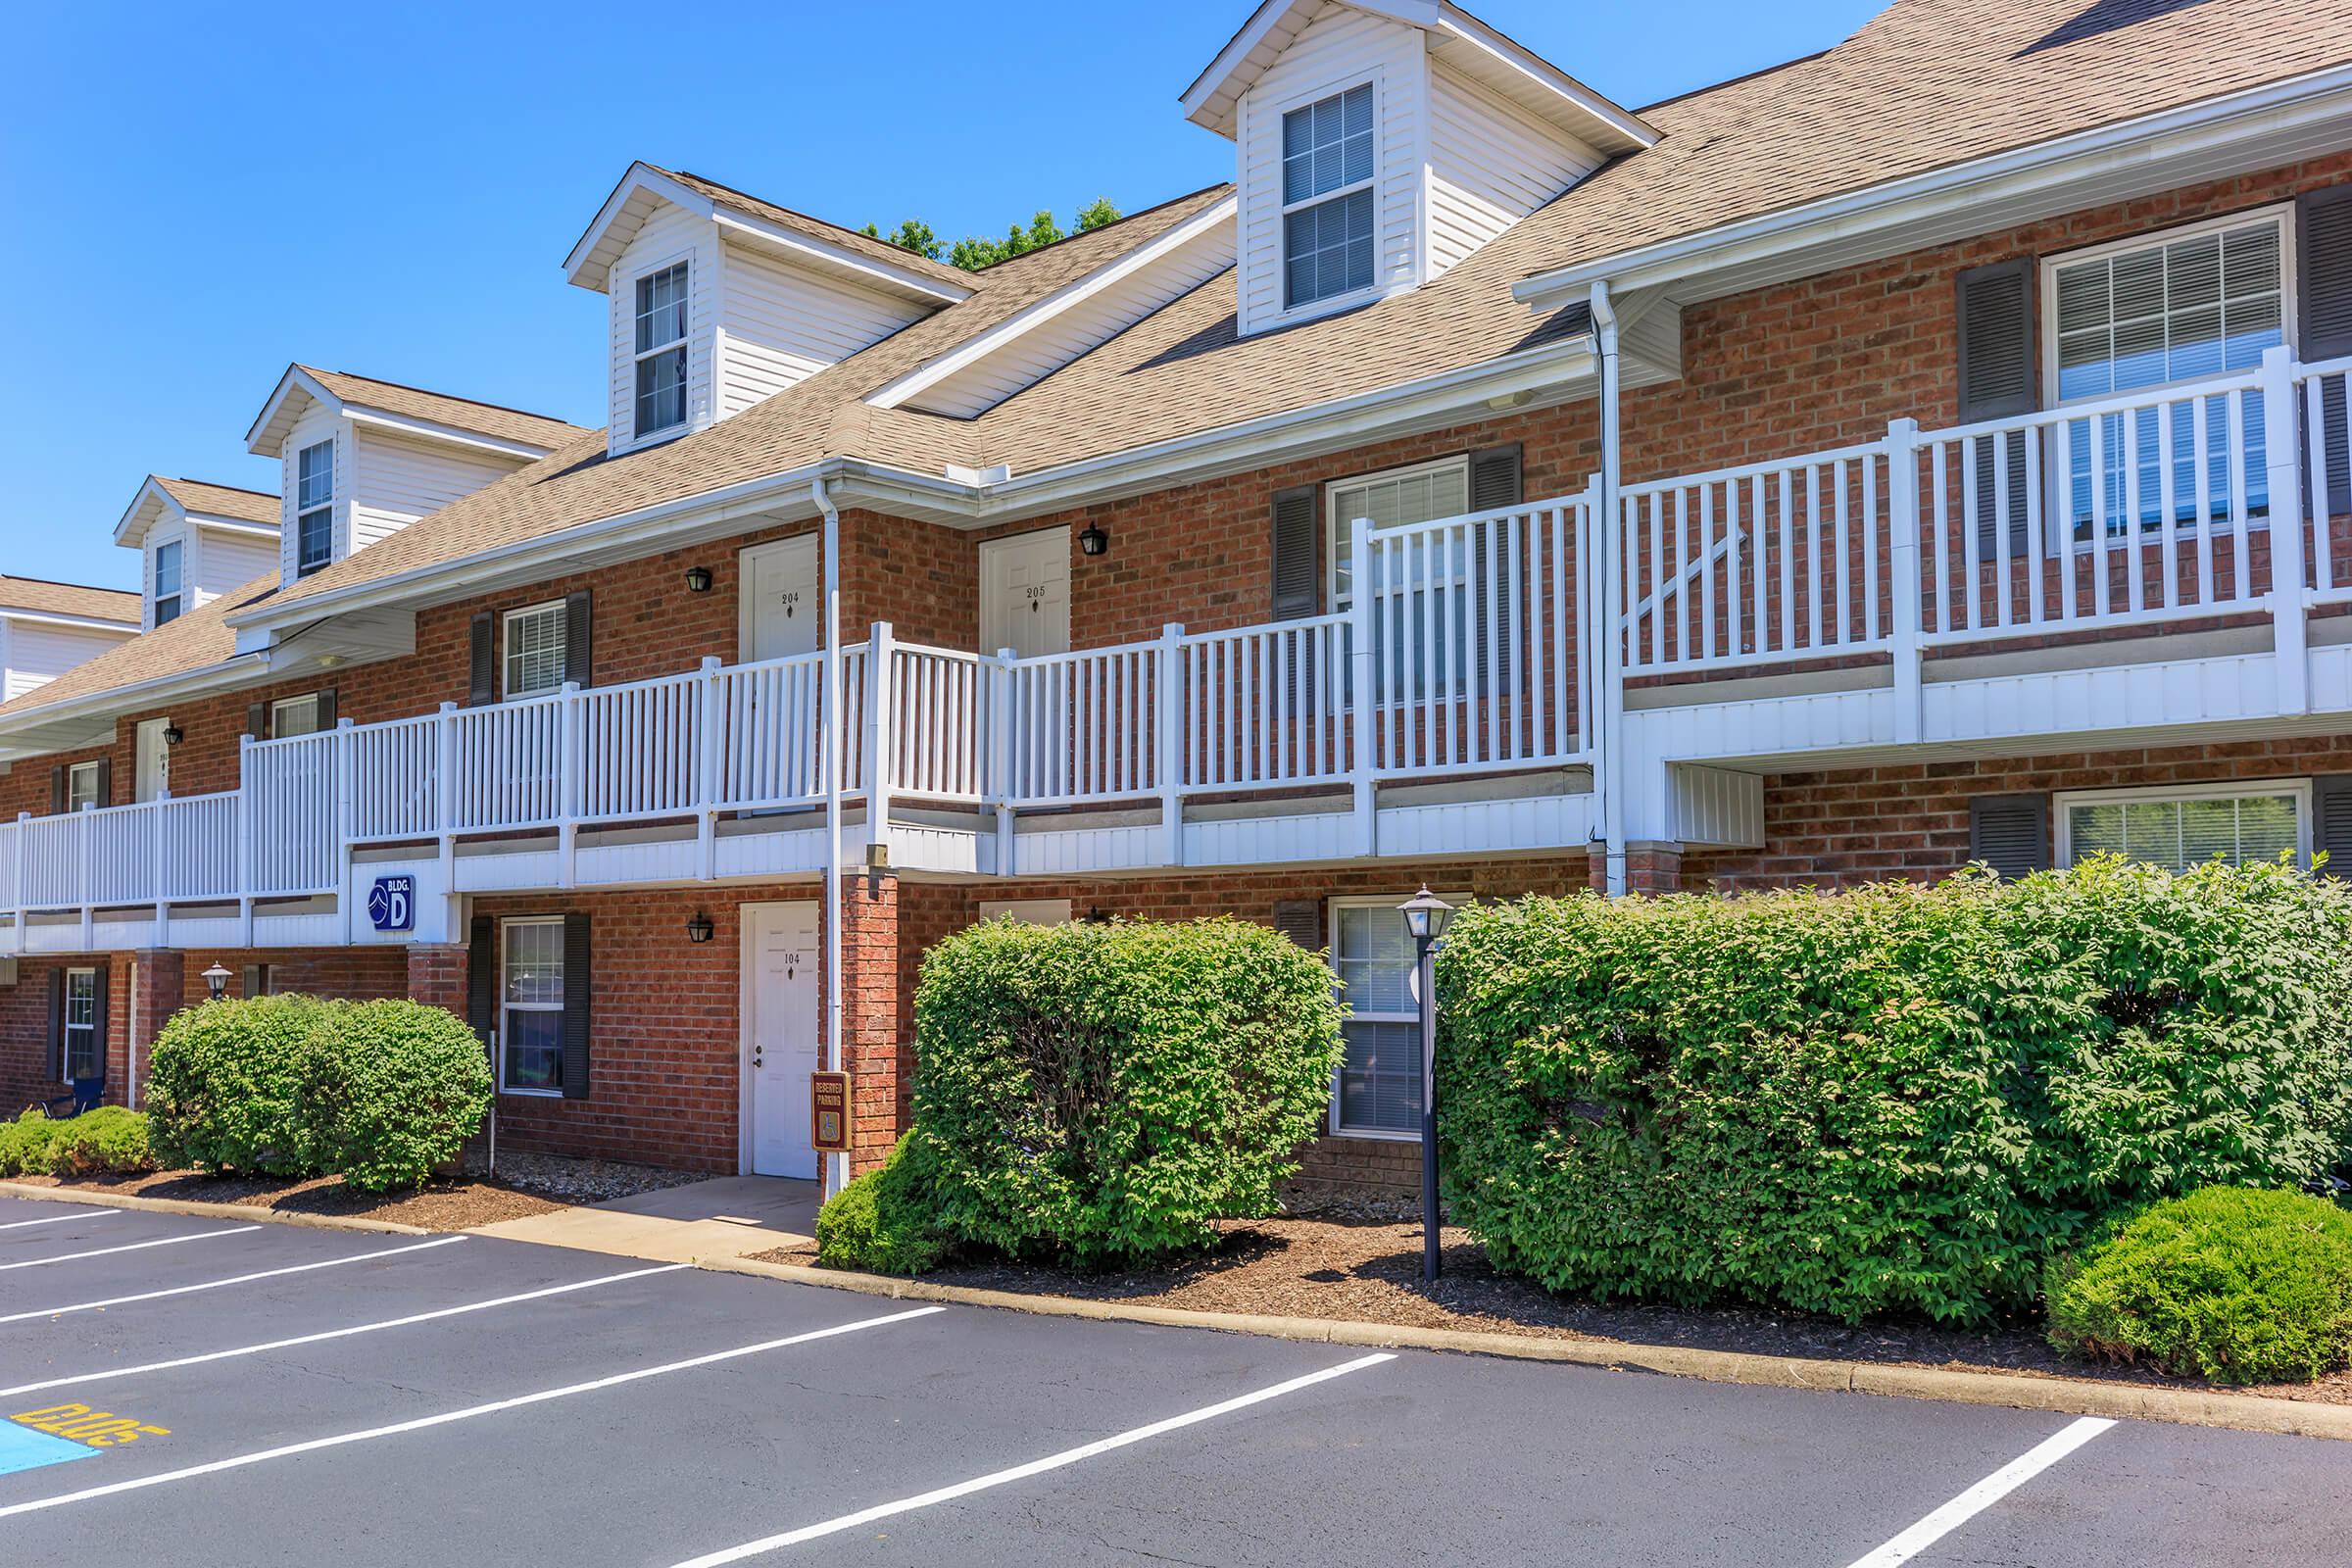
1426, 917
215, 980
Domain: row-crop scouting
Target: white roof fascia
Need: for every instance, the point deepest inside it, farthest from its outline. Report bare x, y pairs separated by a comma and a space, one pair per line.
835, 257
105, 705
1597, 115
981, 345
149, 492
409, 426
57, 617
1266, 20
296, 379
211, 520
1955, 200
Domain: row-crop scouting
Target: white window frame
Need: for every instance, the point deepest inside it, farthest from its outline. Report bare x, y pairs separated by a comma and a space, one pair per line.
683, 344
505, 948
285, 705
304, 567
81, 785
1385, 904
1338, 530
506, 647
1284, 208
69, 1028
178, 597
258, 980
2062, 805
2055, 486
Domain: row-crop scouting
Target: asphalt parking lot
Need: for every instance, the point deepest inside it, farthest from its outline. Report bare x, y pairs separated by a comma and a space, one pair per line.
192, 1392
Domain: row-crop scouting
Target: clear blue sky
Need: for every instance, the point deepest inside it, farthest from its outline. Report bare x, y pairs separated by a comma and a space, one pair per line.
195, 196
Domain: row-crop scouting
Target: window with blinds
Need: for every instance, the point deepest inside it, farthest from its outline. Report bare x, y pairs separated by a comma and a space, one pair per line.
2200, 303
1379, 1088
2178, 831
535, 639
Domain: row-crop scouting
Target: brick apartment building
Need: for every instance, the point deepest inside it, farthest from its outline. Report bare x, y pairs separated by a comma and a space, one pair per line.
1931, 449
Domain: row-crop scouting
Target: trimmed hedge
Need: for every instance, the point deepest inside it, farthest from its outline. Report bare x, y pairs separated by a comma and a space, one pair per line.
2228, 1282
381, 1093
885, 1221
24, 1142
1102, 1094
1901, 1097
105, 1139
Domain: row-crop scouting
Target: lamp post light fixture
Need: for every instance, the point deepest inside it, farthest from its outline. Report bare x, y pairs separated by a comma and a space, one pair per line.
1426, 917
215, 980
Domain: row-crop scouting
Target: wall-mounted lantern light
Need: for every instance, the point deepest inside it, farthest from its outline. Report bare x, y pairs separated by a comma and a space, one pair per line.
173, 735
698, 579
699, 929
1093, 541
215, 980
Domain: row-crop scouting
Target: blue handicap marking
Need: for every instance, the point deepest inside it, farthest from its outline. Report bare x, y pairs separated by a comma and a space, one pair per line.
23, 1448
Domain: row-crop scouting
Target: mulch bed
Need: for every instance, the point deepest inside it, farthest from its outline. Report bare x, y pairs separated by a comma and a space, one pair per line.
525, 1185
1365, 1266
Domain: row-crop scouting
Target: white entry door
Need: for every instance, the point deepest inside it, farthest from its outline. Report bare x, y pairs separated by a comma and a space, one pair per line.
783, 610
1025, 593
151, 760
780, 958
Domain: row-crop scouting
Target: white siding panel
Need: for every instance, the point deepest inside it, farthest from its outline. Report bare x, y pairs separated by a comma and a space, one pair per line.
1490, 164
1715, 805
1343, 49
1053, 343
671, 234
395, 483
38, 654
778, 325
317, 424
226, 560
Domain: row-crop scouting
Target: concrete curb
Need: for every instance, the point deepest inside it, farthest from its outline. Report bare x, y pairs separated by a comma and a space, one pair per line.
183, 1206
2243, 1412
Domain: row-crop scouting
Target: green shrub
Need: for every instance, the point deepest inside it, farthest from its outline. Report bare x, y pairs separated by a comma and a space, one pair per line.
885, 1222
1896, 1099
1105, 1093
24, 1142
108, 1140
380, 1092
2231, 1283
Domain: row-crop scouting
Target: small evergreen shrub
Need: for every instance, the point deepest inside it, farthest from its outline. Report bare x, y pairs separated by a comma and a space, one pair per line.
107, 1139
378, 1092
885, 1221
24, 1142
2231, 1283
1898, 1099
1100, 1093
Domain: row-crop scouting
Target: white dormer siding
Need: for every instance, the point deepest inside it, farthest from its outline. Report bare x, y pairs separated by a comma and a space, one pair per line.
33, 653
777, 325
395, 483
1342, 50
669, 237
318, 423
1490, 164
212, 562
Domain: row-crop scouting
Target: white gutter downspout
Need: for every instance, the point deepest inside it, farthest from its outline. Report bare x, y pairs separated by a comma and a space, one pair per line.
836, 1174
1609, 781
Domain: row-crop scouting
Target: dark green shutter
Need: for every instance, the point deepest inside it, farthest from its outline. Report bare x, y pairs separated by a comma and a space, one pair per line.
98, 1041
1999, 380
1494, 479
2011, 833
106, 781
57, 1025
578, 987
257, 720
1297, 579
1495, 486
328, 708
579, 647
481, 976
57, 790
2324, 276
2332, 824
481, 662
1300, 919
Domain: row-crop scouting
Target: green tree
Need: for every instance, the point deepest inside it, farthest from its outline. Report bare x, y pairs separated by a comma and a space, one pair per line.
976, 251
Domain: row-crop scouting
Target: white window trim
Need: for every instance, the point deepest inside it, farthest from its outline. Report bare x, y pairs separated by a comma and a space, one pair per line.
282, 704
74, 775
505, 1006
505, 644
2062, 805
1338, 529
685, 340
67, 1030
301, 569
1284, 310
2281, 214
1332, 906
178, 595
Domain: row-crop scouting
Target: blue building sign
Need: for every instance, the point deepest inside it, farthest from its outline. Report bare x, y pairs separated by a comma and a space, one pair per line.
392, 903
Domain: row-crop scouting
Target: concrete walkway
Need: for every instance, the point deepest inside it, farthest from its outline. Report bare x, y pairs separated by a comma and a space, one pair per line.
729, 1217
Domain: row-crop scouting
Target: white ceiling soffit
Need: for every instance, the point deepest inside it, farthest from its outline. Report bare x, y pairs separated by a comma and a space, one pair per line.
1034, 342
2264, 127
644, 190
1462, 41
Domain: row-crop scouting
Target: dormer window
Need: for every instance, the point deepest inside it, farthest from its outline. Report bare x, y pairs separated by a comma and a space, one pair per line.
662, 350
1327, 168
167, 574
314, 508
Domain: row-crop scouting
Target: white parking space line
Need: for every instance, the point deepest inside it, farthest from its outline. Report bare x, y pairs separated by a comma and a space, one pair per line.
234, 1279
421, 1423
130, 1247
86, 1378
1984, 1493
51, 1219
1021, 1472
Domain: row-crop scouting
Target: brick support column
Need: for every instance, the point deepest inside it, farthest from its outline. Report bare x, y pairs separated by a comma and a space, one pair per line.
159, 980
1653, 866
872, 1051
437, 975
